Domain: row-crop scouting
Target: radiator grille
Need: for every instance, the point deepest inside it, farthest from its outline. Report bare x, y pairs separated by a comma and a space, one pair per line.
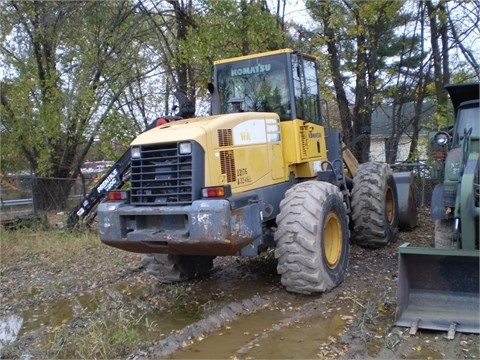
227, 165
162, 176
225, 137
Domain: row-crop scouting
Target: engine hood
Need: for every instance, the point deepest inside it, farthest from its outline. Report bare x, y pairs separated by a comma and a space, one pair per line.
197, 128
191, 129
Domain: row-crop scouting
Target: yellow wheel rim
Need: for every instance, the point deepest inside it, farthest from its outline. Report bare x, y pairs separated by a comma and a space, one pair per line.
390, 205
333, 240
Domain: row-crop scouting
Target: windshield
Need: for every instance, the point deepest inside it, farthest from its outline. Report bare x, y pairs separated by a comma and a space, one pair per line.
258, 84
284, 83
467, 118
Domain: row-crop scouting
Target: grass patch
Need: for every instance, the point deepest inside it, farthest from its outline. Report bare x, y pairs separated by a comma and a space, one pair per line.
59, 281
101, 335
56, 244
265, 262
108, 336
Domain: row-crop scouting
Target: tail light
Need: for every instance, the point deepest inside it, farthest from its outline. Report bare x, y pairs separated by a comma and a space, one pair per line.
217, 191
117, 195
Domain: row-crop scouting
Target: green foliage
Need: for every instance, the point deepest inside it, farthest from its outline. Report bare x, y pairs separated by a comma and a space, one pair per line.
379, 52
228, 28
69, 64
93, 74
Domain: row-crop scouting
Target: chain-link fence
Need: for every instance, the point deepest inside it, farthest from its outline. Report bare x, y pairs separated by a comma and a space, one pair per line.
22, 194
423, 181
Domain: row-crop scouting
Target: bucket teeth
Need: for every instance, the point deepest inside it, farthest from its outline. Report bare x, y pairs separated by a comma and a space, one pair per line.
451, 331
414, 327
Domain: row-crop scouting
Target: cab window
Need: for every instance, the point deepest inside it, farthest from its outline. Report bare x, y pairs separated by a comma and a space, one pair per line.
306, 89
259, 85
467, 119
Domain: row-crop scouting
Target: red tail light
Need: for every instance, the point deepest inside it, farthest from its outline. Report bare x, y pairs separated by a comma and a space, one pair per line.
117, 195
217, 191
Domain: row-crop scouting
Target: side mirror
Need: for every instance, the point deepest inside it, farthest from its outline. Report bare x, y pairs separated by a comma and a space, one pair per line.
210, 88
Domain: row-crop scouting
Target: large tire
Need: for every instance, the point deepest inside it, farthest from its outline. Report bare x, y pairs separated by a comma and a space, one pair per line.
443, 234
311, 239
374, 205
176, 268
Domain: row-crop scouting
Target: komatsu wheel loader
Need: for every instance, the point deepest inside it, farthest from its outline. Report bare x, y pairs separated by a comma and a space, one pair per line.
264, 170
118, 174
438, 288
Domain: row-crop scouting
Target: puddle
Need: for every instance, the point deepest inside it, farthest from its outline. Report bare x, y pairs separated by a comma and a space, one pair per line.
162, 317
57, 313
147, 313
303, 340
161, 309
267, 334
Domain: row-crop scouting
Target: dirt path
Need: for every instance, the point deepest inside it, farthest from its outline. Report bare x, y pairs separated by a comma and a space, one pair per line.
100, 303
354, 321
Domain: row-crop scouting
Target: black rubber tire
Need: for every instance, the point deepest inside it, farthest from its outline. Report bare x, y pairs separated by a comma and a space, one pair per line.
374, 205
443, 234
311, 239
169, 268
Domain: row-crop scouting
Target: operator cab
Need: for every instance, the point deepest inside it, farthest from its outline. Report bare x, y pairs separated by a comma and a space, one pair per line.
284, 82
466, 104
467, 122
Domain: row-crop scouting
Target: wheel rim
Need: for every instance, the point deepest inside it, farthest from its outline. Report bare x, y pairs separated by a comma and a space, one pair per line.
333, 240
390, 205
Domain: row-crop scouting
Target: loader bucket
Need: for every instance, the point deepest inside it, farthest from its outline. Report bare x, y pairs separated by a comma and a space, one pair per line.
438, 289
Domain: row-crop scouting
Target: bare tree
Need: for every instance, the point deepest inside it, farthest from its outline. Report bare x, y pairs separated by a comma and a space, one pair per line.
355, 36
439, 44
72, 62
464, 30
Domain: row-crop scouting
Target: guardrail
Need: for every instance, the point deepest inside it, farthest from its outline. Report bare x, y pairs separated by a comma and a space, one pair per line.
25, 202
16, 202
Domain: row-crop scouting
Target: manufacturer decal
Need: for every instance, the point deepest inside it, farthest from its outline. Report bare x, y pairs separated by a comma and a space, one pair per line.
250, 132
250, 70
109, 182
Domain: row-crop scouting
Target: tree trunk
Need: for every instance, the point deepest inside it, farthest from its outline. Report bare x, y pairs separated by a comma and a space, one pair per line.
436, 54
184, 72
334, 59
362, 110
391, 150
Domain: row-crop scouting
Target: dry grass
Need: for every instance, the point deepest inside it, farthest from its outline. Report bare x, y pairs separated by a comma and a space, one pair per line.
54, 244
43, 270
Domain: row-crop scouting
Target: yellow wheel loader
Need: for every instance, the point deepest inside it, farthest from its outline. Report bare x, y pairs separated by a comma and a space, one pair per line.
438, 288
264, 170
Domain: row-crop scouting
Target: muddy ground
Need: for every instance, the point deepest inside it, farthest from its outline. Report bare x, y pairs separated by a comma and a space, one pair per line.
240, 311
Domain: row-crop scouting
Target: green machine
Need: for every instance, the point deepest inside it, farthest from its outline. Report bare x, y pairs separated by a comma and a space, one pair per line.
438, 288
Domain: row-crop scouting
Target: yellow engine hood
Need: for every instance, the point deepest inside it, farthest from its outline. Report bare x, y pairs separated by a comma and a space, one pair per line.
195, 129
188, 129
